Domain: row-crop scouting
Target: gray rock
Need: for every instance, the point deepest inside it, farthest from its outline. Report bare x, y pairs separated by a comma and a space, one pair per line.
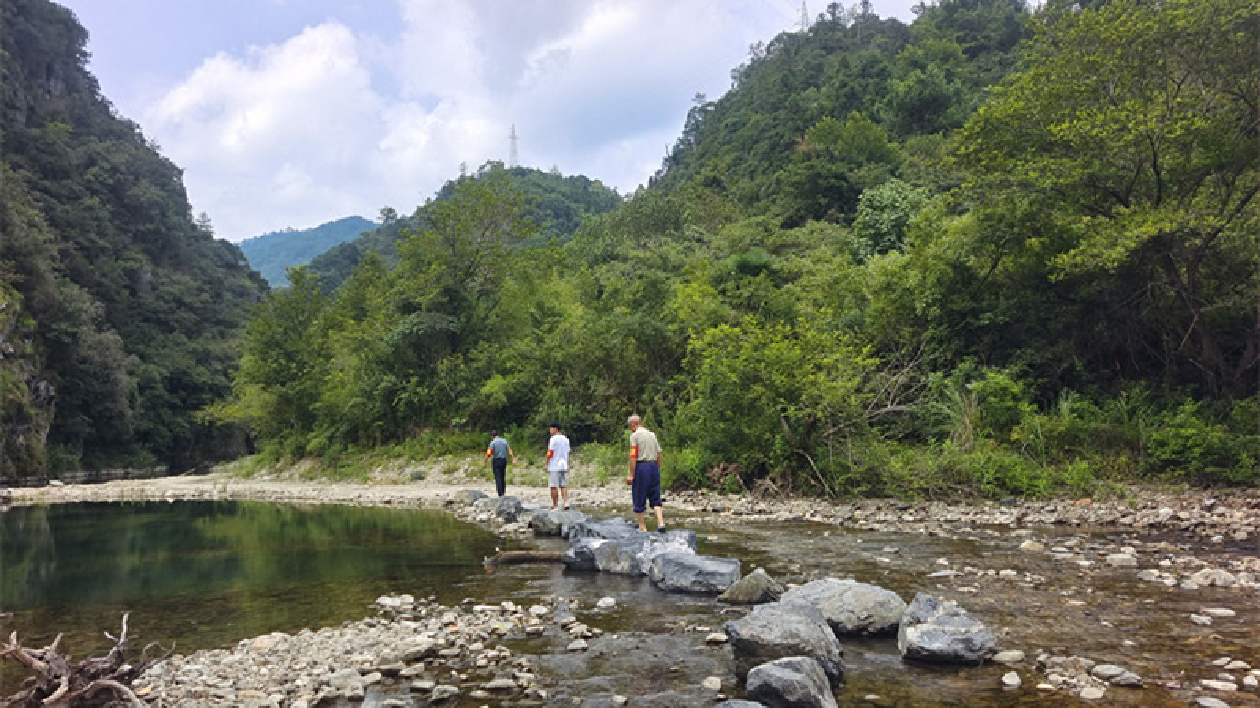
943, 632
791, 682
603, 528
1010, 656
442, 692
775, 631
1011, 680
1214, 576
507, 508
1127, 679
756, 588
581, 555
688, 572
1106, 672
1122, 560
551, 522
850, 607
739, 704
470, 496
1210, 702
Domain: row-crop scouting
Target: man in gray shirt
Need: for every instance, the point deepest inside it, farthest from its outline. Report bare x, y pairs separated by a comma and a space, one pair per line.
645, 472
497, 454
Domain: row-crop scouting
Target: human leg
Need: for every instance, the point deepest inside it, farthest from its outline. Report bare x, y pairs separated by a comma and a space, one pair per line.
652, 491
638, 495
555, 496
499, 465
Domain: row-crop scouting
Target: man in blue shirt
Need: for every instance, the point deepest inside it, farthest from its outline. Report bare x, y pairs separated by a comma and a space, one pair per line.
497, 454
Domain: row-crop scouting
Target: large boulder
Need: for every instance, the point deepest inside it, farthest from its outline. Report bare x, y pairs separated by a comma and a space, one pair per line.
603, 528
775, 631
553, 522
851, 607
469, 496
620, 556
791, 682
624, 553
507, 508
688, 572
756, 588
942, 632
581, 555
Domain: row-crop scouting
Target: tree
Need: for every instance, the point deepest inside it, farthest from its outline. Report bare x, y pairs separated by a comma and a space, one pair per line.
1134, 129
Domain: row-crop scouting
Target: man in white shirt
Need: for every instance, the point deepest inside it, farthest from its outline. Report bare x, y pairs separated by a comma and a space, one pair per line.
558, 466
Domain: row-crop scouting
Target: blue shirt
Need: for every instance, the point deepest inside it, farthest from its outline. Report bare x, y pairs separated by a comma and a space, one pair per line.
499, 448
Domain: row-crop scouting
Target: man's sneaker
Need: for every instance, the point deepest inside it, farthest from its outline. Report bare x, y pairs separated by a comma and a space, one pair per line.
661, 529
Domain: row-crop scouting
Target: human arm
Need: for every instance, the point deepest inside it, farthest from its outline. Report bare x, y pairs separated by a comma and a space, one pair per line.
634, 459
513, 454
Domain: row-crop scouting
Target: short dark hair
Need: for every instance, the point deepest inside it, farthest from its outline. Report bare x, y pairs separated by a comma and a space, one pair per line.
494, 433
554, 424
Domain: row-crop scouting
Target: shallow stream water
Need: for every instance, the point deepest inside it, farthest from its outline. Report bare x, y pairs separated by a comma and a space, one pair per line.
205, 574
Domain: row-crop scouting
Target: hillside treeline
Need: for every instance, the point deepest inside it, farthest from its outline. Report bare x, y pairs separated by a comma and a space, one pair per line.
991, 252
120, 314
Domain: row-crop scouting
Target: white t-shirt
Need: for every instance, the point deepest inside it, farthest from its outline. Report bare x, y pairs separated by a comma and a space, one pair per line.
559, 447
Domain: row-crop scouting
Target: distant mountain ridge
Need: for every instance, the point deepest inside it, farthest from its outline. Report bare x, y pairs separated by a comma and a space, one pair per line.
557, 205
271, 254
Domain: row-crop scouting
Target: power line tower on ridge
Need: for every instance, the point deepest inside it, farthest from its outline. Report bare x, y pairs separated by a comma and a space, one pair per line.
513, 157
804, 17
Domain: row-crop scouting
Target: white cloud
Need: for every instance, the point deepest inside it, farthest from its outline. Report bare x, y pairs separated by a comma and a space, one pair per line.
334, 121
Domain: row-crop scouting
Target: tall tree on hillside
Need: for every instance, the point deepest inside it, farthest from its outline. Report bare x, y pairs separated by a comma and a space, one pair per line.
1134, 130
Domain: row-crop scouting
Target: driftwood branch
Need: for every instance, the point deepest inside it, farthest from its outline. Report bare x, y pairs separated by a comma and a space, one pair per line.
516, 557
54, 683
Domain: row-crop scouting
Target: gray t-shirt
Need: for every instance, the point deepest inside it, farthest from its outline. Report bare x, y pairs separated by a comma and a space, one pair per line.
499, 448
559, 447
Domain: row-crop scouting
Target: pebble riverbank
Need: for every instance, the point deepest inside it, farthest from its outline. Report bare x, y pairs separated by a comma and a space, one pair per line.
1186, 542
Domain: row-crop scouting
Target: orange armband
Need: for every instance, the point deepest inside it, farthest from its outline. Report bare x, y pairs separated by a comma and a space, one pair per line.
634, 451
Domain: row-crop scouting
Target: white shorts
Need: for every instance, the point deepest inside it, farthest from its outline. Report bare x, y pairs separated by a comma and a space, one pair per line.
558, 478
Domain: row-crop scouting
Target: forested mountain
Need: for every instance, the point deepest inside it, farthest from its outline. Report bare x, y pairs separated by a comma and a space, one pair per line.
554, 204
993, 252
815, 117
119, 314
271, 254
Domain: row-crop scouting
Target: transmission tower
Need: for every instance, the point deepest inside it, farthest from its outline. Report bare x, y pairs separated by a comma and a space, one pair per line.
804, 17
513, 157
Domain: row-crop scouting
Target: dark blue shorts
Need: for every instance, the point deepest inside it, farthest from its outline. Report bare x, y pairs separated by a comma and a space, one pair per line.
647, 486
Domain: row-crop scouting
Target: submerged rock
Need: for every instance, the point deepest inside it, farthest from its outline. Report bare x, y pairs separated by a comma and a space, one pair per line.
775, 631
756, 588
791, 682
851, 607
688, 572
943, 632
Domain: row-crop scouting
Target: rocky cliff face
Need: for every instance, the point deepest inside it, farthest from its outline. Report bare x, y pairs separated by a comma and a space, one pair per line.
27, 399
122, 312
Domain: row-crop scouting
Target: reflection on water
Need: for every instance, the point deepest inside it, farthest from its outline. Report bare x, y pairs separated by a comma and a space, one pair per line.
204, 574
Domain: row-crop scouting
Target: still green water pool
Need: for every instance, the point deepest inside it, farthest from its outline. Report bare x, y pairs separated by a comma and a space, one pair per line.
204, 574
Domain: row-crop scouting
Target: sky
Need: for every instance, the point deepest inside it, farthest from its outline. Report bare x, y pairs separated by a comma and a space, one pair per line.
293, 113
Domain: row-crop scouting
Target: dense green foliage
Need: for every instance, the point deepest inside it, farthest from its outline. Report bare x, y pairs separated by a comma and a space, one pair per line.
555, 204
274, 253
989, 253
119, 315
